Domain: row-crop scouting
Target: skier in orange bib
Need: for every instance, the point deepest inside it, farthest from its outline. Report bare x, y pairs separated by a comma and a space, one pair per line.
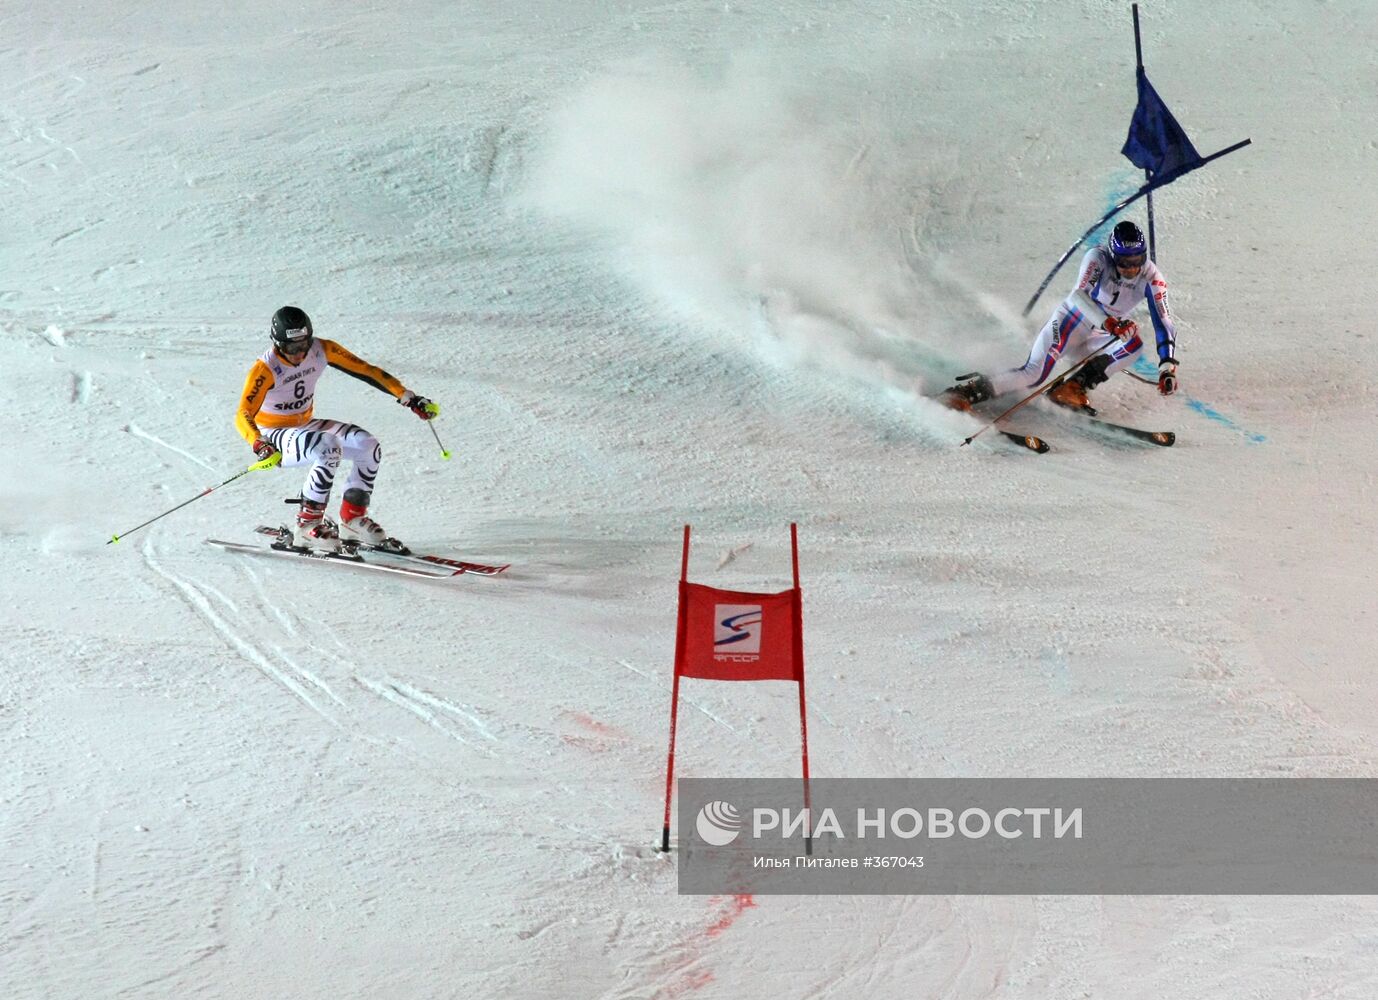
275, 417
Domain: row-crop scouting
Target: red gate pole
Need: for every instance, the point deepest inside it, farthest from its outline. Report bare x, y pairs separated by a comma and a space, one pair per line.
680, 633
799, 675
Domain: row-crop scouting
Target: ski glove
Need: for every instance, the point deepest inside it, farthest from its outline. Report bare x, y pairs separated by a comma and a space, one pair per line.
1125, 329
419, 405
1167, 376
266, 451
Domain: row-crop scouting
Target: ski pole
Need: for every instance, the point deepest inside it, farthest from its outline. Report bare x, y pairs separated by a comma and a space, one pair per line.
1040, 391
268, 462
443, 452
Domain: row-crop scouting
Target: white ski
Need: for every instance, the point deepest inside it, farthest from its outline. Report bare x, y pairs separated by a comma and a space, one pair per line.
336, 558
394, 549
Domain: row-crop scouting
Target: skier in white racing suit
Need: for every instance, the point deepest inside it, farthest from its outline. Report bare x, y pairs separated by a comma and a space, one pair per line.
275, 417
1113, 280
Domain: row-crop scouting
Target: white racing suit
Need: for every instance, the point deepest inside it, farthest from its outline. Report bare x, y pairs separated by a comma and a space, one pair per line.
323, 444
1075, 329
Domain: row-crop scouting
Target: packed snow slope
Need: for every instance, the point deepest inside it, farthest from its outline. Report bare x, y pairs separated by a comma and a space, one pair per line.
660, 263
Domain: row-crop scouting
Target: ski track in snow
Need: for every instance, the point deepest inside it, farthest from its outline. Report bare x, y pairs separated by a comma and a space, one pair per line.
240, 639
421, 705
286, 667
153, 438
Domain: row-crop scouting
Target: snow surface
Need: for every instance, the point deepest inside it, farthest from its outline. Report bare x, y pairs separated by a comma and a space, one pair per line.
660, 262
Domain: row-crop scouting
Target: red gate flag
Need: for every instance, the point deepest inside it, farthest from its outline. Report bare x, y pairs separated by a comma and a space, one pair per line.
732, 635
736, 635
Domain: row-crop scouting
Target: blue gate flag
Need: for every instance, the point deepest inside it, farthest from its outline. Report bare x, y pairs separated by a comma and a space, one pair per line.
1156, 142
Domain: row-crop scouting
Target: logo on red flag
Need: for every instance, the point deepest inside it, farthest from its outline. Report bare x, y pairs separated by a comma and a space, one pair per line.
737, 633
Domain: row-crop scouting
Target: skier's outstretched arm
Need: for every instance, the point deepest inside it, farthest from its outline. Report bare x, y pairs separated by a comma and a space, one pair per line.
351, 364
1163, 326
1165, 331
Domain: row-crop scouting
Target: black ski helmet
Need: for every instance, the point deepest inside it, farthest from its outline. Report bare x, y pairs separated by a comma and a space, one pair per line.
291, 329
1128, 246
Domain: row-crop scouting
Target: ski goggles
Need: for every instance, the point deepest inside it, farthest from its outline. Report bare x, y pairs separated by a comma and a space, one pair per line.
298, 341
1131, 263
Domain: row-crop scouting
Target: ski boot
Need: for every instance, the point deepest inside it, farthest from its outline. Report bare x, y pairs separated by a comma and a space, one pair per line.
970, 389
1071, 392
314, 531
356, 525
